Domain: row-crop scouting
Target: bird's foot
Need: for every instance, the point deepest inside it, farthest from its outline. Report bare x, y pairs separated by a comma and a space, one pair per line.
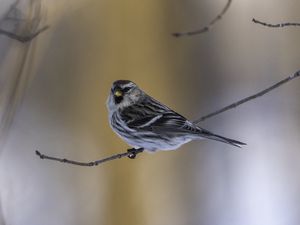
133, 152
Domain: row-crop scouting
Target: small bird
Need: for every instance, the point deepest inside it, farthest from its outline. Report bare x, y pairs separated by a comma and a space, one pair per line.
145, 123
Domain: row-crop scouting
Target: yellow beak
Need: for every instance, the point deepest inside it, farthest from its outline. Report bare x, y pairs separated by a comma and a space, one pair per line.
118, 93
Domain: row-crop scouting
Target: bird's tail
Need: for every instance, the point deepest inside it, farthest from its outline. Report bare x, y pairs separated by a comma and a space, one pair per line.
212, 136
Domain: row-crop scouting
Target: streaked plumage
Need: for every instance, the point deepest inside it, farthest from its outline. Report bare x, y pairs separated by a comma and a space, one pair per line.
143, 122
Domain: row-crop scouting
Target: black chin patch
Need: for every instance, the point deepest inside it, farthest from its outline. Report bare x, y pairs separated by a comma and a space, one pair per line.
118, 99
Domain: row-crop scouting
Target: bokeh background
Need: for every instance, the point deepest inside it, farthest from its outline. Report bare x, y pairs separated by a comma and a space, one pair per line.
52, 98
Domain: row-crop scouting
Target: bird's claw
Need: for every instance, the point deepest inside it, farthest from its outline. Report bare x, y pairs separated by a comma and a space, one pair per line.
132, 153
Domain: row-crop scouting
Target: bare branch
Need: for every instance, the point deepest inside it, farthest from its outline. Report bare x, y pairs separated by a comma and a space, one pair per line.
131, 153
261, 93
274, 25
23, 38
207, 27
10, 16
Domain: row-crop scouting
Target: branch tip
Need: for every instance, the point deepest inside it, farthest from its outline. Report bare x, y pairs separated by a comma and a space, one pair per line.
176, 34
208, 26
39, 154
274, 25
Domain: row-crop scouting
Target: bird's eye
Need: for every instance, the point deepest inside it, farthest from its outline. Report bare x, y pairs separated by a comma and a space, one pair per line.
118, 93
126, 89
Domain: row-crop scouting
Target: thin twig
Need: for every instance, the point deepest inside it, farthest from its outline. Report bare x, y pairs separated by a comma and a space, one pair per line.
275, 25
261, 93
131, 153
23, 38
207, 27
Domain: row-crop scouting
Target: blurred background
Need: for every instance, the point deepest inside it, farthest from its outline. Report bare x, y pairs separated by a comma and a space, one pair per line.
52, 98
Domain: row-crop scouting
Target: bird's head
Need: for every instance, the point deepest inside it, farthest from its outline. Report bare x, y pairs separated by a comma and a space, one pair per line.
123, 94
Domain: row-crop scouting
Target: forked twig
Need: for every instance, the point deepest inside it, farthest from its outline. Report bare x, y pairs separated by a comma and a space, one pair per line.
274, 25
207, 27
131, 153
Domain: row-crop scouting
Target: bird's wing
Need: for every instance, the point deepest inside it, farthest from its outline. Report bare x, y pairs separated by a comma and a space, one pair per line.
174, 123
157, 118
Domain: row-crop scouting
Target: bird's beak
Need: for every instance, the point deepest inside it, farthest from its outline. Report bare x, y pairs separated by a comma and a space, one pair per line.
118, 93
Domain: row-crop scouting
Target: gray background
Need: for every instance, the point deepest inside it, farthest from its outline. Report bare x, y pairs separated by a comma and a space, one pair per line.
53, 93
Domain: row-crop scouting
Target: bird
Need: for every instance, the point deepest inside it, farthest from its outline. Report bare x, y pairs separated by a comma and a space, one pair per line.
145, 123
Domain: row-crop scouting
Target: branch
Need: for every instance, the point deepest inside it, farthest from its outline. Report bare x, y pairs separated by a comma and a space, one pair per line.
207, 27
275, 25
132, 153
261, 93
23, 38
18, 37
